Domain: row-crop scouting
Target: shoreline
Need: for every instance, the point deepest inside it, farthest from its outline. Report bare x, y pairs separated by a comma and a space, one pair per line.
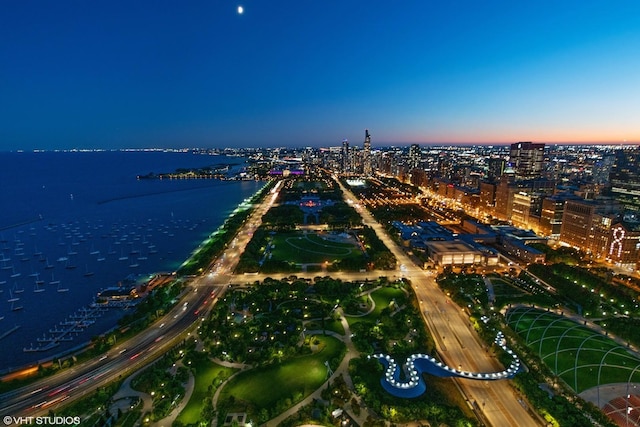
11, 373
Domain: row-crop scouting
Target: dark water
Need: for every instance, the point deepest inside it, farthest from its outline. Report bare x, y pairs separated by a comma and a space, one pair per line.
87, 210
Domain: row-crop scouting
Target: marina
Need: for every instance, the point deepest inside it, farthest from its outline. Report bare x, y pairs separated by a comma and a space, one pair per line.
71, 245
66, 330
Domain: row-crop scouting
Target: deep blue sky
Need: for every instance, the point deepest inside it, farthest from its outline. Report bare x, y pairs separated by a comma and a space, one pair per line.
196, 73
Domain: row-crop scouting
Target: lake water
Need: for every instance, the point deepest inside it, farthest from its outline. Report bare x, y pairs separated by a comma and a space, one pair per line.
84, 220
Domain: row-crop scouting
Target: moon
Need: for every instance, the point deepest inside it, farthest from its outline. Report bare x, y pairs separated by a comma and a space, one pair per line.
240, 10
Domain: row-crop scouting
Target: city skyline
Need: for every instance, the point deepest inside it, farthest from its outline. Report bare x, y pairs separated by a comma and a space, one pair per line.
116, 75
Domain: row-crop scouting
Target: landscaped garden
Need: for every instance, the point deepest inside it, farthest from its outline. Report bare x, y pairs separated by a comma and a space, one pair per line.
310, 248
267, 391
208, 377
306, 232
581, 357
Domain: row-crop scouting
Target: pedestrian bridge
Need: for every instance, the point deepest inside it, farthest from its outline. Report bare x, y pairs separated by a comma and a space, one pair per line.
417, 364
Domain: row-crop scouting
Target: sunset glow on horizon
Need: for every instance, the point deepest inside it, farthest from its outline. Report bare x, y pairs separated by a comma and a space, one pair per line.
297, 73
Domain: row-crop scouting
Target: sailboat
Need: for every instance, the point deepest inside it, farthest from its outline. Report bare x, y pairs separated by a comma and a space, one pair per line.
16, 289
61, 289
87, 273
12, 298
47, 265
15, 307
5, 263
123, 257
69, 265
14, 274
39, 281
54, 281
37, 289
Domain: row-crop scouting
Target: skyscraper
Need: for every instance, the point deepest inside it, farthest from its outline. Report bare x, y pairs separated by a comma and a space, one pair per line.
366, 160
495, 168
414, 156
624, 181
346, 160
527, 160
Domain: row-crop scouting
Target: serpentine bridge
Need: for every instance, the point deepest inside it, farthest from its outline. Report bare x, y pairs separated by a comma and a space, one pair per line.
417, 364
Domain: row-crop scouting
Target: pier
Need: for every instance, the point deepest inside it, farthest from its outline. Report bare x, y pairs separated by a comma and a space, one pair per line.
76, 323
9, 332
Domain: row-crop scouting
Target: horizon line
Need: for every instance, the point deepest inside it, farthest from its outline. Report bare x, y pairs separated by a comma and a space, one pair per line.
377, 145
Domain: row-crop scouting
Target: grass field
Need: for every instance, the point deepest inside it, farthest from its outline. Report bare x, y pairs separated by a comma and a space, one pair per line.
264, 387
504, 290
382, 298
583, 358
329, 325
311, 248
206, 372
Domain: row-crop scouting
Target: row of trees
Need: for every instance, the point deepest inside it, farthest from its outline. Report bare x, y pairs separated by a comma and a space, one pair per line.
432, 406
262, 325
587, 293
218, 243
562, 408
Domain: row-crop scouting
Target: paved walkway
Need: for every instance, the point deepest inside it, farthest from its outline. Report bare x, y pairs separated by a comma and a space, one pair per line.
601, 395
188, 391
122, 396
343, 370
243, 367
125, 392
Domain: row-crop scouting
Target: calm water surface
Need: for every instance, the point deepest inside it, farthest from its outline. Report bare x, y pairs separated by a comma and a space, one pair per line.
72, 223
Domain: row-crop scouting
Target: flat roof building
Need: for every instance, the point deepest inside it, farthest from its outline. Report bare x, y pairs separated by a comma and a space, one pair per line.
454, 252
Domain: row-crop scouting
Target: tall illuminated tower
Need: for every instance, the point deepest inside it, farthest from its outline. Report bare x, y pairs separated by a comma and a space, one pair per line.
414, 156
367, 153
346, 163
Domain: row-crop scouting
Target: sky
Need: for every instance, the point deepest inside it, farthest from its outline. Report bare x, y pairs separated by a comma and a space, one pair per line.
134, 74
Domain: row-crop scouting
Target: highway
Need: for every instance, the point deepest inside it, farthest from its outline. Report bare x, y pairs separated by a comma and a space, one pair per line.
50, 393
457, 344
70, 384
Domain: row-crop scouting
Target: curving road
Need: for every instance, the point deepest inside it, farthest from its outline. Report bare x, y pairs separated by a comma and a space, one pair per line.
70, 384
50, 393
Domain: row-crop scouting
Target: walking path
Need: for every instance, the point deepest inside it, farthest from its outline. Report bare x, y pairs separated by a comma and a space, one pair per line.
122, 397
242, 367
343, 370
188, 391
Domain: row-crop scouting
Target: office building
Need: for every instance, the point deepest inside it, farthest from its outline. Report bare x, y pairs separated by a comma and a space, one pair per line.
586, 225
366, 154
527, 160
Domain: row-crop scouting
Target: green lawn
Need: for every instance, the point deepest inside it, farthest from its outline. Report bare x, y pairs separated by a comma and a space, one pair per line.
206, 372
504, 290
329, 325
382, 298
310, 248
583, 358
263, 387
